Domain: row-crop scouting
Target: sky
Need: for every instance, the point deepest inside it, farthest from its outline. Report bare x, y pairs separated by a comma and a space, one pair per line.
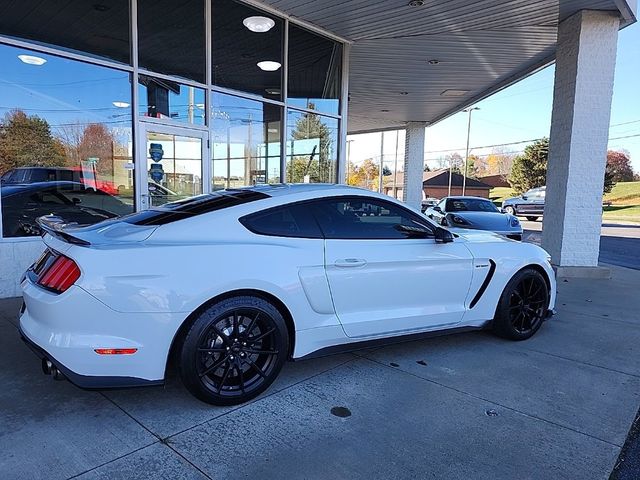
523, 112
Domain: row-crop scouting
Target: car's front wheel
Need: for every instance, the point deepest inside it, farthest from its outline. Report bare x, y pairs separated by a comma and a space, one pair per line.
522, 306
532, 219
510, 210
234, 350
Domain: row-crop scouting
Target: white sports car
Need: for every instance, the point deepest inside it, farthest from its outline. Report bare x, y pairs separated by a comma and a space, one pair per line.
235, 282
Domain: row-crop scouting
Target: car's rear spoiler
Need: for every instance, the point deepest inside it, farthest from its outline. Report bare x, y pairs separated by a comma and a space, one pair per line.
54, 226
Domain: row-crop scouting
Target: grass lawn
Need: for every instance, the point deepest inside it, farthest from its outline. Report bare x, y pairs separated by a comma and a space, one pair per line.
624, 198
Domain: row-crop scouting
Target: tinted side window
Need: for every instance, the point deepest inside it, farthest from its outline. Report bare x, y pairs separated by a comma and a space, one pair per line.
363, 218
286, 221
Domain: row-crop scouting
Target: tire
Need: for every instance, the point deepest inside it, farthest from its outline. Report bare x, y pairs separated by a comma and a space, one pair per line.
510, 210
234, 350
532, 219
522, 306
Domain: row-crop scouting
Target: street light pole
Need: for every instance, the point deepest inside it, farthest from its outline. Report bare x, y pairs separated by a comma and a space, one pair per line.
466, 157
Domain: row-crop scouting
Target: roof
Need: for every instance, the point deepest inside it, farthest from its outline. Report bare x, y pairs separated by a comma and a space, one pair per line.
440, 178
481, 47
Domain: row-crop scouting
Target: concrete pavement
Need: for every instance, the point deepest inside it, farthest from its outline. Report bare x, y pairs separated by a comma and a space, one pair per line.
463, 406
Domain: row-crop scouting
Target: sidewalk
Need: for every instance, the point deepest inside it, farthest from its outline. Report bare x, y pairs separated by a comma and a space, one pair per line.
463, 406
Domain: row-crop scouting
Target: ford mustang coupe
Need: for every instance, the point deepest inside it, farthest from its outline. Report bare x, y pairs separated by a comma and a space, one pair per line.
233, 283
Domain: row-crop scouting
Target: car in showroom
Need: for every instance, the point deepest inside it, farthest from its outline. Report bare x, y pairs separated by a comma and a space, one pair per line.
234, 283
530, 204
23, 204
475, 213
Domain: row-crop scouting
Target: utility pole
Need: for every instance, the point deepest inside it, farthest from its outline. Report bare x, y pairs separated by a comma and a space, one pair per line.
381, 162
466, 157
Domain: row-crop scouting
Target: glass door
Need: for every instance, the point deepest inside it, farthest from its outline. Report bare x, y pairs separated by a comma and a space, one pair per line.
174, 168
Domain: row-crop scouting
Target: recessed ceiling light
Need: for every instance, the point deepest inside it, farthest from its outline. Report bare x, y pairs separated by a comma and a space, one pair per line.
32, 60
384, 110
454, 93
272, 91
433, 61
404, 93
416, 3
268, 66
272, 130
121, 104
258, 24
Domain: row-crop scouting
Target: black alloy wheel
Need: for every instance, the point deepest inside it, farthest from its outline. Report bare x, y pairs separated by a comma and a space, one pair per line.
523, 306
234, 351
532, 219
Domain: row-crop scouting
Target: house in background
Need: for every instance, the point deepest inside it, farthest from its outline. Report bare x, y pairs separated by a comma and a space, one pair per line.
436, 184
499, 180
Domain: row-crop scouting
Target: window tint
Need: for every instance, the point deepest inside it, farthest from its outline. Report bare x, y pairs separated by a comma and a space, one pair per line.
287, 221
470, 205
365, 218
192, 206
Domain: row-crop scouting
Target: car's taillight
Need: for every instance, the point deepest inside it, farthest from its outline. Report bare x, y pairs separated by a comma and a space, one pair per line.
62, 273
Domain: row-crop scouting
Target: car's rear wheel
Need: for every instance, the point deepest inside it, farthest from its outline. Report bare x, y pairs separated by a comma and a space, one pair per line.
510, 210
234, 350
522, 306
532, 219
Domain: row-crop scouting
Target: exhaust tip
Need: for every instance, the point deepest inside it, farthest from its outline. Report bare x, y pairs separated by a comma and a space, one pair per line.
47, 366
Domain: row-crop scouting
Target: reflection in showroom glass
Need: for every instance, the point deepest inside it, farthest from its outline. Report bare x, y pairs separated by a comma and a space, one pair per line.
245, 147
246, 48
164, 99
69, 131
315, 71
312, 148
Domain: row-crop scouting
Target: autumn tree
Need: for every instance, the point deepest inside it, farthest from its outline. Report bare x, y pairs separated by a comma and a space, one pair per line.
93, 141
26, 141
529, 170
455, 161
365, 175
619, 166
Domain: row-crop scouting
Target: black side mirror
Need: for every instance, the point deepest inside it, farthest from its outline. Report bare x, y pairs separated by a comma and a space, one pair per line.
437, 209
443, 235
524, 197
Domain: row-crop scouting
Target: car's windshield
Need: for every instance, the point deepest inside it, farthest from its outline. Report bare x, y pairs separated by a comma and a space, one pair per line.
470, 205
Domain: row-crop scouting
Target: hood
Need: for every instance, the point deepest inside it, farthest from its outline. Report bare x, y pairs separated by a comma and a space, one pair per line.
109, 232
486, 220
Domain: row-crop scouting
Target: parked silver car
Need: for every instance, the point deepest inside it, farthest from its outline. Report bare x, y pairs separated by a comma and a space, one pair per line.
475, 213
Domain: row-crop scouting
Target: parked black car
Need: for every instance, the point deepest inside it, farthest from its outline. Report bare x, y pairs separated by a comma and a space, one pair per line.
530, 204
22, 204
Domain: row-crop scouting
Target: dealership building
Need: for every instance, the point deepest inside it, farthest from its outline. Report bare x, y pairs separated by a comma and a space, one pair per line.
147, 101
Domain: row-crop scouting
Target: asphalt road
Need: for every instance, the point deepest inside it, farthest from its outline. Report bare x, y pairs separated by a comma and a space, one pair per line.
619, 243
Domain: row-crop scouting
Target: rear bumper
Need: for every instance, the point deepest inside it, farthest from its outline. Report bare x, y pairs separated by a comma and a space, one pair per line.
67, 328
87, 381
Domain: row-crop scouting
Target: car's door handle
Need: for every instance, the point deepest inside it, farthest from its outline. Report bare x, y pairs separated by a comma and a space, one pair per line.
350, 262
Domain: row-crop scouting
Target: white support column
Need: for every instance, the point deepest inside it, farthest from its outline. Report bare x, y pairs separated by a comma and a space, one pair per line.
585, 63
413, 163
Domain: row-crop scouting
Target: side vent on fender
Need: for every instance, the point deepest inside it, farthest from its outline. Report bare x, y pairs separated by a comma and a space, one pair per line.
485, 284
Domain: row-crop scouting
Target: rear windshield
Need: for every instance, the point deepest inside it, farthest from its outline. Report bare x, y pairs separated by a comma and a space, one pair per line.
190, 207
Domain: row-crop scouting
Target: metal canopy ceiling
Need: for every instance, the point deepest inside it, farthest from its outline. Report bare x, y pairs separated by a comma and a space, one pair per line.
481, 45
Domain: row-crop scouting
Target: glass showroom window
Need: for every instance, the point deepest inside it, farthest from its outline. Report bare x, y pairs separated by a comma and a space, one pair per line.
312, 148
65, 141
160, 98
246, 49
171, 37
315, 71
98, 28
245, 142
